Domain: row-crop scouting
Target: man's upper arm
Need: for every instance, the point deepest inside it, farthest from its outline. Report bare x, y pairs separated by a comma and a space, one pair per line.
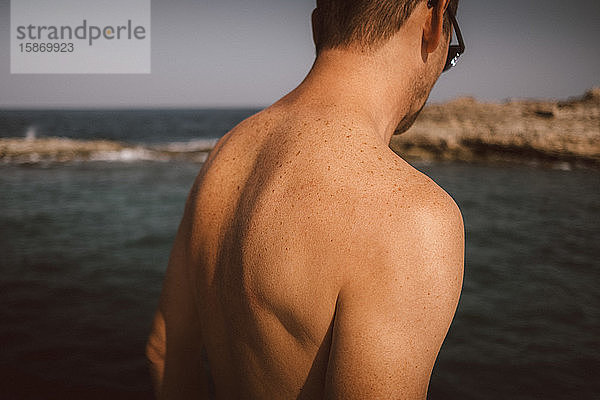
391, 318
156, 348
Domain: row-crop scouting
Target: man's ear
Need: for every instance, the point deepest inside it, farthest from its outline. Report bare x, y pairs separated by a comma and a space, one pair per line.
433, 29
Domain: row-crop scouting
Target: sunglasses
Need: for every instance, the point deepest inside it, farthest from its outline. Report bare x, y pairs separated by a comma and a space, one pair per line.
454, 51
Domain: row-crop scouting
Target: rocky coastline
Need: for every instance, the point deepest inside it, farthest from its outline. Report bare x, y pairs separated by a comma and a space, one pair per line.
518, 131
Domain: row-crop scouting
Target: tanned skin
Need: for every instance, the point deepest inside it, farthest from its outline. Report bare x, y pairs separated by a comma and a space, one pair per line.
311, 261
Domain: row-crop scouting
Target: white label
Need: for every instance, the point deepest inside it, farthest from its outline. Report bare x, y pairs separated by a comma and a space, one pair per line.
80, 37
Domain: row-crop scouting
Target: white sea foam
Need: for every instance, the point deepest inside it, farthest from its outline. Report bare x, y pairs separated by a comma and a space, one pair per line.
31, 133
129, 155
59, 150
191, 146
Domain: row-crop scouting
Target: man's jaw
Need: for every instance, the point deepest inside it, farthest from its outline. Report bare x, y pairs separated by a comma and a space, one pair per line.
407, 122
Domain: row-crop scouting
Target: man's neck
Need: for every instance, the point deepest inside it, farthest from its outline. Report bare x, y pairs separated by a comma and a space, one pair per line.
363, 88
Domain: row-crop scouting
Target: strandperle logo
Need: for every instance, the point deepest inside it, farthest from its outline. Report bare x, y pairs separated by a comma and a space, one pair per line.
85, 31
80, 37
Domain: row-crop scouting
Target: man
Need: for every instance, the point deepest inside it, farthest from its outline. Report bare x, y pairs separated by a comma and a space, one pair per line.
311, 261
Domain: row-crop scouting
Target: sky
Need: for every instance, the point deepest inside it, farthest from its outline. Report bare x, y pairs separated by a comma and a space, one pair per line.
249, 53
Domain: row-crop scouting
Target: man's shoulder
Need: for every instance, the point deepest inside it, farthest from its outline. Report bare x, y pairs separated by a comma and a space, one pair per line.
403, 195
428, 202
423, 210
409, 217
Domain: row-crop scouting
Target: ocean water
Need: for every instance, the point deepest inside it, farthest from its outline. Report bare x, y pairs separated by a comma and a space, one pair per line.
84, 246
131, 126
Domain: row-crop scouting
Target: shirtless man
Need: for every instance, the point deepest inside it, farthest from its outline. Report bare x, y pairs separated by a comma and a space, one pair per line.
311, 261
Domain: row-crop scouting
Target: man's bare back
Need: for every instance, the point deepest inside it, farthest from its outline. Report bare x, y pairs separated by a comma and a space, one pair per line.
311, 261
276, 233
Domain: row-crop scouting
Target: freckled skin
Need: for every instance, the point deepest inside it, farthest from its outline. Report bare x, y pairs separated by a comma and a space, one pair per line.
311, 261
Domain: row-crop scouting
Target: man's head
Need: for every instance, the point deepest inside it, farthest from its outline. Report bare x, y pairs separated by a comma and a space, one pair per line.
365, 23
367, 26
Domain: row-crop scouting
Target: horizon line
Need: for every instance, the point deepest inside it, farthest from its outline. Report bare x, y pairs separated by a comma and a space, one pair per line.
167, 107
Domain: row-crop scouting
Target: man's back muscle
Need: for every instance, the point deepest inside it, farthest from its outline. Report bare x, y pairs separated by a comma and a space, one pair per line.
287, 222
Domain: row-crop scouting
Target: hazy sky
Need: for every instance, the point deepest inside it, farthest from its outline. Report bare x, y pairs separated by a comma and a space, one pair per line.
230, 53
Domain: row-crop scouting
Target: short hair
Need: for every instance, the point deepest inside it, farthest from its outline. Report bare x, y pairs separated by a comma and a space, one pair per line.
366, 23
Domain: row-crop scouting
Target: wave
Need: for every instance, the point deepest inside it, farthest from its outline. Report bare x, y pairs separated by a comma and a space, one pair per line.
196, 145
33, 150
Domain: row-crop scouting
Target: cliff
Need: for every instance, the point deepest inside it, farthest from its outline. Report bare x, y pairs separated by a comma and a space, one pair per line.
516, 131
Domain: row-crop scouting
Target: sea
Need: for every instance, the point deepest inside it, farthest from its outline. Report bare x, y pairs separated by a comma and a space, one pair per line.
84, 245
